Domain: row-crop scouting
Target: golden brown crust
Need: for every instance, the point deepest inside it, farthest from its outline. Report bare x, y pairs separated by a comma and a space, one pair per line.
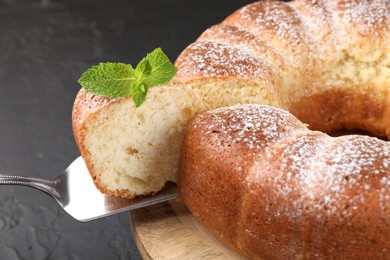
330, 57
263, 183
215, 60
302, 50
344, 109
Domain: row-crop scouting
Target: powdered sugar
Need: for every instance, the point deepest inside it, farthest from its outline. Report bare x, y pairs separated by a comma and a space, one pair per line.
276, 17
212, 59
298, 188
86, 104
366, 15
329, 177
251, 127
242, 38
317, 174
344, 174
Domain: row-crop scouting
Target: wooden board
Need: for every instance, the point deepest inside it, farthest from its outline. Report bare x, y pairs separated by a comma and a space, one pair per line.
168, 231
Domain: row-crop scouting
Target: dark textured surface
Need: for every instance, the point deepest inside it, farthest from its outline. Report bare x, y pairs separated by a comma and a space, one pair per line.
44, 47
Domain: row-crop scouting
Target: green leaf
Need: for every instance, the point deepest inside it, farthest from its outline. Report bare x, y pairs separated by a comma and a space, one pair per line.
139, 98
143, 70
121, 80
156, 68
109, 79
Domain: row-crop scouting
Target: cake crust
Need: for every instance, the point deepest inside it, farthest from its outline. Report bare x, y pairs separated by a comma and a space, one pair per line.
265, 184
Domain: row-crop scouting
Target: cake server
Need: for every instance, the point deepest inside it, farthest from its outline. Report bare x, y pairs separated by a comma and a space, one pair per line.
76, 193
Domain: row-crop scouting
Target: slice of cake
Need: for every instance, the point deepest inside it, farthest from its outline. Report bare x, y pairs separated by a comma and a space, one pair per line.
133, 151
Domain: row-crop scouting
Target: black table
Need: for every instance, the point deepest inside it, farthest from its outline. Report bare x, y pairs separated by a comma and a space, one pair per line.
45, 45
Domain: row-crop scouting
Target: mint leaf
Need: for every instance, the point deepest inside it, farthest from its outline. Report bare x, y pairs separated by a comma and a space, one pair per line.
109, 79
143, 70
156, 68
139, 98
138, 93
121, 80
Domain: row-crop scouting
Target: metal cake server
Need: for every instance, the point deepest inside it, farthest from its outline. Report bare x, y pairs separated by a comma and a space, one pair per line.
76, 193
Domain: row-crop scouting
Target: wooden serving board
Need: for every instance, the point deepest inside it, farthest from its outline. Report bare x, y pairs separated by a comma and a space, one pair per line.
168, 231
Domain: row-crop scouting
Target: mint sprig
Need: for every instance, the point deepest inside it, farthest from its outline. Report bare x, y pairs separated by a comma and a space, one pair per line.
122, 80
